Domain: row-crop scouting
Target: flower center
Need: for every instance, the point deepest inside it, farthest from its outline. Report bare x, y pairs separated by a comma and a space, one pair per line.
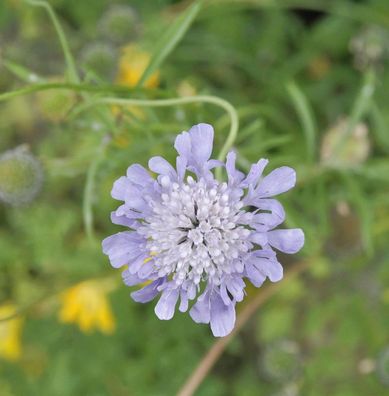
196, 231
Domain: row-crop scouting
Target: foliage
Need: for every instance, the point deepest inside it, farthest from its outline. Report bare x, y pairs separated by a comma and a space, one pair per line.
303, 78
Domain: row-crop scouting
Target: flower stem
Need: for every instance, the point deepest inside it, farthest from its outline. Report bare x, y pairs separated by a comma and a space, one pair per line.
70, 63
231, 111
217, 349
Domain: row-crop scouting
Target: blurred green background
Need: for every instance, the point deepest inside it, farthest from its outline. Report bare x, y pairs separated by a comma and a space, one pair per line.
309, 82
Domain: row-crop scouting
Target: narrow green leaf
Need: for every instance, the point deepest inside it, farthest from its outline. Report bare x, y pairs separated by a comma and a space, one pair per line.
170, 39
70, 63
307, 119
21, 72
360, 107
375, 170
362, 205
380, 129
87, 205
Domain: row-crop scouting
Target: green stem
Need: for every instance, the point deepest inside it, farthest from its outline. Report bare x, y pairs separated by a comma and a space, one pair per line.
68, 86
234, 120
307, 119
70, 63
87, 204
360, 107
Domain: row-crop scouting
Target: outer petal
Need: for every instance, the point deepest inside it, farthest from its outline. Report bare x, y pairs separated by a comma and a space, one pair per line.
259, 238
131, 279
271, 268
184, 301
135, 200
181, 163
273, 219
122, 220
137, 174
276, 182
135, 264
235, 285
255, 173
201, 311
122, 247
255, 276
222, 316
148, 293
234, 176
162, 167
287, 241
202, 142
146, 269
183, 144
167, 304
120, 186
214, 163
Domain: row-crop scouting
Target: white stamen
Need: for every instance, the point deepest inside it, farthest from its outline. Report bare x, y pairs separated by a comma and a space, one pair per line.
196, 231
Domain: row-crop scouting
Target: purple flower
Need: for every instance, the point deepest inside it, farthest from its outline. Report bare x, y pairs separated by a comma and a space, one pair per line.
196, 238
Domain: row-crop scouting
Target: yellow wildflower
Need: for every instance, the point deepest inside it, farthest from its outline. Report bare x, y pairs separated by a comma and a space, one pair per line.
132, 64
10, 333
87, 304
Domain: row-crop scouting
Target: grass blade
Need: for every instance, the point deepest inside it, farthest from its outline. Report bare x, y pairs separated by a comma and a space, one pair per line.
170, 39
70, 63
305, 114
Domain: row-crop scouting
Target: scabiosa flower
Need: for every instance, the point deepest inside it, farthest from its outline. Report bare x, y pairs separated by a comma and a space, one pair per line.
197, 238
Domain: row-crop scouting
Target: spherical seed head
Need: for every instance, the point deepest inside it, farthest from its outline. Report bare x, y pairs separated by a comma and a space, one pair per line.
280, 361
119, 24
196, 238
21, 177
100, 58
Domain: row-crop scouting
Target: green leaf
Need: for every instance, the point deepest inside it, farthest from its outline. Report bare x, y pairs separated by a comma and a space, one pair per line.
375, 170
307, 119
380, 127
358, 198
21, 72
69, 59
169, 40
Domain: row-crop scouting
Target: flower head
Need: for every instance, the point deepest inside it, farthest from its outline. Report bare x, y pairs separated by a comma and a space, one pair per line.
21, 176
202, 237
87, 304
119, 23
10, 332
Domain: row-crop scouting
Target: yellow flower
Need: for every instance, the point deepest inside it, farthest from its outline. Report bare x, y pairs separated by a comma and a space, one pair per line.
87, 304
10, 333
132, 64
